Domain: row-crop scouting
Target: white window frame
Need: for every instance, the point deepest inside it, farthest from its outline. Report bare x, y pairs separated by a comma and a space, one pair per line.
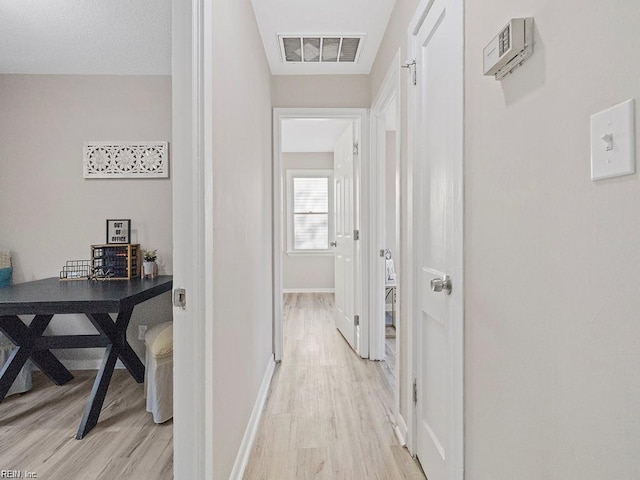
307, 173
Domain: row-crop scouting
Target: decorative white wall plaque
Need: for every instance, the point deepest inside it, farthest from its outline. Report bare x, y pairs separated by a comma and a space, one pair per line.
126, 159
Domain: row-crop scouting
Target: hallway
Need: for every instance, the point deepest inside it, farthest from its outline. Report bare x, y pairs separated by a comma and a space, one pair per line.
328, 411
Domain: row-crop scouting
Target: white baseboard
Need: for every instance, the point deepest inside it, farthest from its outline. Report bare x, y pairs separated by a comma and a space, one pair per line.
308, 290
401, 430
87, 364
252, 428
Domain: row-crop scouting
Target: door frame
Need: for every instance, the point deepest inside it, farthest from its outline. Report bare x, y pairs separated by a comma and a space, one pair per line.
192, 181
361, 175
455, 8
388, 92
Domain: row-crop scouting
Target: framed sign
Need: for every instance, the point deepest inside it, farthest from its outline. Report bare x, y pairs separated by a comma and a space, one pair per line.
118, 231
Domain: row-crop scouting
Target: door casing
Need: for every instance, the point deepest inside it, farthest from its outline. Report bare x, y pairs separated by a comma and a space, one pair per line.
388, 93
192, 181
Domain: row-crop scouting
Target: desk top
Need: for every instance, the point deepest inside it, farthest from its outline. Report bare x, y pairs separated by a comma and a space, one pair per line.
51, 296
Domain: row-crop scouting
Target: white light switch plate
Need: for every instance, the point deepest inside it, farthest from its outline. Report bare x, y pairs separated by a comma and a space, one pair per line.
613, 137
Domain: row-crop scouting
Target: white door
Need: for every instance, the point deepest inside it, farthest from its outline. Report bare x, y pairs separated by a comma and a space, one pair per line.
343, 183
438, 210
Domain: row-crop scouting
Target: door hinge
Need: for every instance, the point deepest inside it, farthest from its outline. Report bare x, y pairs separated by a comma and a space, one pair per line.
356, 149
412, 70
356, 234
356, 320
415, 391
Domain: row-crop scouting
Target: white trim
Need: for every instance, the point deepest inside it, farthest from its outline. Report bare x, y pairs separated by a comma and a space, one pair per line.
408, 257
390, 90
309, 290
84, 364
310, 253
249, 437
205, 229
400, 430
457, 10
362, 166
277, 215
192, 140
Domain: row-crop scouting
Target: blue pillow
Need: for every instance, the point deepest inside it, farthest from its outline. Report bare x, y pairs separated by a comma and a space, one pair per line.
5, 276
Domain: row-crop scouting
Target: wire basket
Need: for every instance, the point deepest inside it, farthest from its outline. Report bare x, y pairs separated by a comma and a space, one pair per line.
76, 270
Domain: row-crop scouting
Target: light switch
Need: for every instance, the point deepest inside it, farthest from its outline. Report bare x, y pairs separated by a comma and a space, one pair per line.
613, 138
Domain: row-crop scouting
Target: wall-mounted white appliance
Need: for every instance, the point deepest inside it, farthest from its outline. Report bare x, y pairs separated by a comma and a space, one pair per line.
510, 48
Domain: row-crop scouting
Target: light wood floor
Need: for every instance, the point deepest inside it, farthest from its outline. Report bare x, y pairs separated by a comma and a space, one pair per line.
390, 349
328, 414
38, 428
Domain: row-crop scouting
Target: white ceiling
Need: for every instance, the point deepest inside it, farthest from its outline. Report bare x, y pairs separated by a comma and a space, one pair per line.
120, 37
133, 37
332, 17
311, 135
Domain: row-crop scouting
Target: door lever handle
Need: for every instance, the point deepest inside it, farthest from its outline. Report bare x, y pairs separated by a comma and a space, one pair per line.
441, 285
333, 244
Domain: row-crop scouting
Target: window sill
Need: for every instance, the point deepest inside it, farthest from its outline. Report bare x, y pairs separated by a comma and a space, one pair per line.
310, 253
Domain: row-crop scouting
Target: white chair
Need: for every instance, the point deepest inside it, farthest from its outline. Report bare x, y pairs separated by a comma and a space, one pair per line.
22, 382
158, 376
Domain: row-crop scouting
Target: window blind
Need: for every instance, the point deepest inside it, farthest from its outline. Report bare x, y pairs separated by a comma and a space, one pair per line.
310, 213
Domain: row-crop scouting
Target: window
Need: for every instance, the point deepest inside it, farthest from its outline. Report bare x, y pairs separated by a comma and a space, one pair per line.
309, 210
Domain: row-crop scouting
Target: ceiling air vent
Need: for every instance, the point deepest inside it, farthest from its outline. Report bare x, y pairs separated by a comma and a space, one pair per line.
320, 49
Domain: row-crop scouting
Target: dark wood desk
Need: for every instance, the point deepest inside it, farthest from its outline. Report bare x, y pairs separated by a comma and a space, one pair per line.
97, 300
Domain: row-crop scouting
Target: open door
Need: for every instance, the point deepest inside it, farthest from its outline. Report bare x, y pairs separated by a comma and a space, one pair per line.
344, 205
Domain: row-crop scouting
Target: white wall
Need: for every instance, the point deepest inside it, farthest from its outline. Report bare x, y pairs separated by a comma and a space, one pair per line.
242, 225
306, 272
552, 258
48, 212
319, 91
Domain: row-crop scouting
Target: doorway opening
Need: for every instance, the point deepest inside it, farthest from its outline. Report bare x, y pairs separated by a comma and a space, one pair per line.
391, 226
388, 332
318, 215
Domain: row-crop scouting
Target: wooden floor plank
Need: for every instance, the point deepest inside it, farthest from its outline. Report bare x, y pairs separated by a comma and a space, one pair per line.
327, 417
37, 432
328, 413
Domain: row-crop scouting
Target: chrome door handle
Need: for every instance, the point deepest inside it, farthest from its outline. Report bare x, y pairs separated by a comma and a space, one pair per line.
333, 244
441, 285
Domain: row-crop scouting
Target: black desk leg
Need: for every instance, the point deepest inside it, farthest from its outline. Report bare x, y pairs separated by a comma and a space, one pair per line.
127, 356
116, 332
23, 337
98, 392
44, 359
132, 363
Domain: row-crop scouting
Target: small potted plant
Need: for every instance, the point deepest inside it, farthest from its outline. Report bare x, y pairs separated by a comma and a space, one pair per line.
149, 265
